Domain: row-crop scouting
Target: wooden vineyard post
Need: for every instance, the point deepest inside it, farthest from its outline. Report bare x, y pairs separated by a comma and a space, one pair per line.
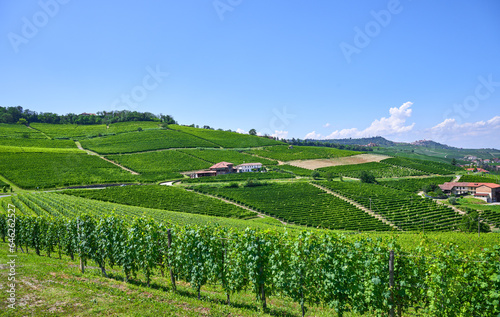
391, 282
172, 277
224, 280
261, 272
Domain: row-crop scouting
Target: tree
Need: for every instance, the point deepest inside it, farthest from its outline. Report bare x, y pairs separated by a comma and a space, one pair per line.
22, 121
315, 174
328, 176
366, 177
453, 162
252, 132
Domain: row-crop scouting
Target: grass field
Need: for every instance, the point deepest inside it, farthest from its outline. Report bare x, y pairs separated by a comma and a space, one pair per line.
284, 153
225, 138
161, 165
143, 141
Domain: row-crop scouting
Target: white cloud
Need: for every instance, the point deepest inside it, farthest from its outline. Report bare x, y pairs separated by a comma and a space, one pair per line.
241, 131
326, 125
280, 134
469, 134
313, 135
394, 124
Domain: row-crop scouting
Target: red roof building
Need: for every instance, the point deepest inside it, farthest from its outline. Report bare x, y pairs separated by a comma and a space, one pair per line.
489, 191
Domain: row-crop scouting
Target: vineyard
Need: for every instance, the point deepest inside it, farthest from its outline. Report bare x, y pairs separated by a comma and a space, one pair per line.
424, 166
238, 177
225, 138
19, 131
233, 156
480, 178
407, 211
299, 171
161, 165
166, 198
300, 203
51, 169
37, 143
284, 153
78, 132
364, 276
379, 170
148, 140
414, 185
69, 207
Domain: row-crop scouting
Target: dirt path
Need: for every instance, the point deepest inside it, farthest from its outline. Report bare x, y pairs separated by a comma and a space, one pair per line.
457, 178
89, 152
260, 215
368, 211
48, 137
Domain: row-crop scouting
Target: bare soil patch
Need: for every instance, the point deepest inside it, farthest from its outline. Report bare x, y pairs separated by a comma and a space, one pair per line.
348, 160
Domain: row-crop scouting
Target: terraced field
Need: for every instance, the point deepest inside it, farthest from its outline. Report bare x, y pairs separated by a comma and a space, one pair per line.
300, 203
407, 211
144, 141
225, 138
166, 198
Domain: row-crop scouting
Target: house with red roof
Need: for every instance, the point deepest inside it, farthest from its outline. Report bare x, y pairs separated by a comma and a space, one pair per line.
478, 170
222, 168
489, 192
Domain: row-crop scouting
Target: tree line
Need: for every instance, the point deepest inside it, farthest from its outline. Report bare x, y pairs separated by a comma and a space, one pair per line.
26, 116
352, 147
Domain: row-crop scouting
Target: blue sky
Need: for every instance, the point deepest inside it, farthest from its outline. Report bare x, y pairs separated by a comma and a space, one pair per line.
405, 70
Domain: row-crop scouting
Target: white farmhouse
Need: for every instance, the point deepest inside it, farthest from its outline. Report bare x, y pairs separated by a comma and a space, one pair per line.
248, 167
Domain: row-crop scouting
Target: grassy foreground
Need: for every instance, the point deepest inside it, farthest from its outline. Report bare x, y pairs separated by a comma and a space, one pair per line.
51, 286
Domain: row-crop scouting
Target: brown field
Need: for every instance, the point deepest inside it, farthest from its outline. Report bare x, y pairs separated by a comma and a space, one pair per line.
348, 160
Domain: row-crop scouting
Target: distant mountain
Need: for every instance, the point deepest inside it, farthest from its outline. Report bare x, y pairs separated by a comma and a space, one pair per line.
433, 144
373, 141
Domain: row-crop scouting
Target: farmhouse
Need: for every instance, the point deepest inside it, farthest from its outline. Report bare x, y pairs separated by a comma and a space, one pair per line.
222, 168
489, 192
478, 170
248, 167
